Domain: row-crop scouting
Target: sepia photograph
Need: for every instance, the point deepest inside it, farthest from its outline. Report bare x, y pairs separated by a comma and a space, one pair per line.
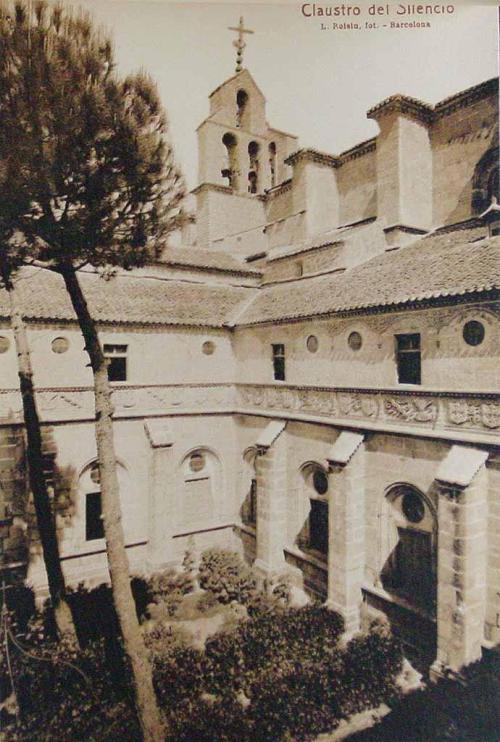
249, 371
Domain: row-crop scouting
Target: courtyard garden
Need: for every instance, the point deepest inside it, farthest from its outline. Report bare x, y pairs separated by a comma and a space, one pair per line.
233, 659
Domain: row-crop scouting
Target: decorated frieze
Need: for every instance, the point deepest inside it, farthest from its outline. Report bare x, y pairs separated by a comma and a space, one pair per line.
377, 408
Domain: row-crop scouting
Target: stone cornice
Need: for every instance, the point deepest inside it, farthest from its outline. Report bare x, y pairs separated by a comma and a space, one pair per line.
363, 148
467, 97
277, 190
404, 105
312, 155
225, 189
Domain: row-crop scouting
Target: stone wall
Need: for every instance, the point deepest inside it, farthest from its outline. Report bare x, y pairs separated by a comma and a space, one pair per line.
461, 141
448, 363
153, 356
357, 182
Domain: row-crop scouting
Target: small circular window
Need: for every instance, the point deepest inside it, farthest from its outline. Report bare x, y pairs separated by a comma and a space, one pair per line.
473, 332
413, 507
320, 482
197, 461
95, 474
355, 341
60, 345
4, 344
312, 344
208, 348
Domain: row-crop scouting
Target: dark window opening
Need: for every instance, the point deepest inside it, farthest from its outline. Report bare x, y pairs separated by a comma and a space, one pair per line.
252, 182
94, 526
116, 356
230, 170
272, 163
473, 332
253, 165
279, 362
408, 358
320, 482
242, 109
252, 503
410, 572
318, 526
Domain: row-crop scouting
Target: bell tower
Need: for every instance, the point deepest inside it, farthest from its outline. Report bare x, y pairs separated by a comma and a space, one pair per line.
239, 158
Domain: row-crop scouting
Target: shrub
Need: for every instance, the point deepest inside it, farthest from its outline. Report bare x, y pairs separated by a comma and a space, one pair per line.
225, 575
372, 663
60, 694
169, 587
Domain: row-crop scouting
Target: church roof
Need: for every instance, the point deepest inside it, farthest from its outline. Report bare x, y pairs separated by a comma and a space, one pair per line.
440, 265
126, 299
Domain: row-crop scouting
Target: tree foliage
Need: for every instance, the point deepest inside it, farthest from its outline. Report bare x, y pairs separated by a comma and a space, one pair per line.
86, 177
86, 172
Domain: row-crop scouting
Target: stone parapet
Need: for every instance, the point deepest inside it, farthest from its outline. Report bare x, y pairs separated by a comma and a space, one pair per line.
462, 416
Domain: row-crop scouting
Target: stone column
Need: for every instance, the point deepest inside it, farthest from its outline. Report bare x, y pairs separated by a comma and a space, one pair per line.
271, 471
161, 494
346, 527
462, 562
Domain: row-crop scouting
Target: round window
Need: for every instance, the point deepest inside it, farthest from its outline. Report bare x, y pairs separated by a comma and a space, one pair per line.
60, 345
312, 344
320, 482
197, 461
95, 475
208, 348
413, 507
473, 332
4, 344
355, 341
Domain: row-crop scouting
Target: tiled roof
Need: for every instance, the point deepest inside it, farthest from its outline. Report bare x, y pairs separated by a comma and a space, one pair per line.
127, 299
439, 265
212, 260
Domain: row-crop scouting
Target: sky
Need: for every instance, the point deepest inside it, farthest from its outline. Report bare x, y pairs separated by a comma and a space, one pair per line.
318, 83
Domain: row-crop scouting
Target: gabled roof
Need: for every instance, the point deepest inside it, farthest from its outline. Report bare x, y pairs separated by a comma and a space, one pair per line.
437, 266
126, 299
244, 74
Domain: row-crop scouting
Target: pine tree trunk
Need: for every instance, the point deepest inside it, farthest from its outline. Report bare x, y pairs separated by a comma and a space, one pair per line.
146, 703
44, 515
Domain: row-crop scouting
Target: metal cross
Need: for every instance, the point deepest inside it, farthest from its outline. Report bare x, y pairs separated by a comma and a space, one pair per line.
239, 43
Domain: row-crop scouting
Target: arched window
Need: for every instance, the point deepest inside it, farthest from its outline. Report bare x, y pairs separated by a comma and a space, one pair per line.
201, 477
409, 569
253, 167
242, 109
230, 169
272, 163
89, 486
313, 536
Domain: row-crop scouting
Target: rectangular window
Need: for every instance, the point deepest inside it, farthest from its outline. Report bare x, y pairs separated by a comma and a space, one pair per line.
116, 356
279, 361
408, 358
94, 527
318, 526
